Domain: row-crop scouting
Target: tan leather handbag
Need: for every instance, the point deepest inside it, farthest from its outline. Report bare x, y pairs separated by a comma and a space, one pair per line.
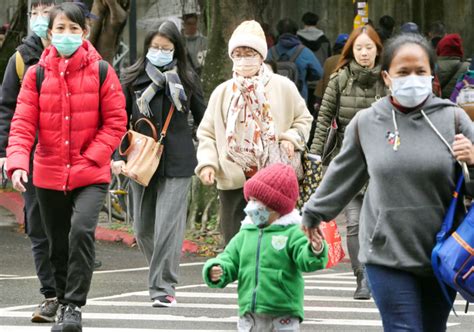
143, 152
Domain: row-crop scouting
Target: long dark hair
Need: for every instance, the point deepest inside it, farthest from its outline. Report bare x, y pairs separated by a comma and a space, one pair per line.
168, 30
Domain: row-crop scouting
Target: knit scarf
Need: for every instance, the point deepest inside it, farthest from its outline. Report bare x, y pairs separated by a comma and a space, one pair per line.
250, 128
169, 79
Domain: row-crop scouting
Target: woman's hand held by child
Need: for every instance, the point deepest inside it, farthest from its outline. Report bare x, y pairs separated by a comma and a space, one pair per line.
317, 239
216, 273
288, 147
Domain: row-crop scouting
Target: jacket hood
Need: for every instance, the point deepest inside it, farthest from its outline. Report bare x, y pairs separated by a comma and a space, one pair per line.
287, 40
30, 49
311, 33
84, 56
366, 77
292, 218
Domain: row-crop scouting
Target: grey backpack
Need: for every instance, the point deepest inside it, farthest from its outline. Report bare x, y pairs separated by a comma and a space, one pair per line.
286, 66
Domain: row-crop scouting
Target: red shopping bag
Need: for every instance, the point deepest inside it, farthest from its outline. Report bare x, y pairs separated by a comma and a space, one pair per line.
334, 241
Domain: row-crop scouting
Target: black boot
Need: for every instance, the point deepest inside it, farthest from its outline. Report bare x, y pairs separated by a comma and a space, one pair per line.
362, 291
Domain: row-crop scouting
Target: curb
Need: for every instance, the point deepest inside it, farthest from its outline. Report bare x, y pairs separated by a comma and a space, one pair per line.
13, 201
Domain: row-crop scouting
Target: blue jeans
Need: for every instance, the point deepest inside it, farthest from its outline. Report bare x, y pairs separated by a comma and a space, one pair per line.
408, 302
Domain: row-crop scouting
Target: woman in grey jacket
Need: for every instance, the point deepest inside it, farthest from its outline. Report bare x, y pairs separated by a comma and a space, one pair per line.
397, 144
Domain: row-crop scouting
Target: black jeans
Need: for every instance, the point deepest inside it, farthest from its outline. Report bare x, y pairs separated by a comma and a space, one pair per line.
39, 241
70, 220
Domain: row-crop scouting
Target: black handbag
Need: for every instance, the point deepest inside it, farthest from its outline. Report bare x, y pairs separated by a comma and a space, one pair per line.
332, 144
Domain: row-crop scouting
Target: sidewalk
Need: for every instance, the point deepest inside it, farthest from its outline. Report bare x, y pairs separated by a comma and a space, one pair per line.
11, 212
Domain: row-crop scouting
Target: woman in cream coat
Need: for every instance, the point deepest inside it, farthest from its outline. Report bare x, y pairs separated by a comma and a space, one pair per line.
244, 117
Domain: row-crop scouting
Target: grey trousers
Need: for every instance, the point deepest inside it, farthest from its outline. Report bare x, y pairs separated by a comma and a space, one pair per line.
231, 212
159, 214
251, 322
39, 241
352, 214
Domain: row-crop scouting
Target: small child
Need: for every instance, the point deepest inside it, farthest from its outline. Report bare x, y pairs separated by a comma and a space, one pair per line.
268, 255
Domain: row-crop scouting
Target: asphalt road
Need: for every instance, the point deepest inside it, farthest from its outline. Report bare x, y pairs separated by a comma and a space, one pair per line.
119, 302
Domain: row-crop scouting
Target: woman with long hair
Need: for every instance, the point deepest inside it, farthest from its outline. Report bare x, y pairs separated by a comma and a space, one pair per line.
160, 79
355, 85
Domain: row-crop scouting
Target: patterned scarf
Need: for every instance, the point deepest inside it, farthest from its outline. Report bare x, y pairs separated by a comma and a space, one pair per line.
250, 128
169, 79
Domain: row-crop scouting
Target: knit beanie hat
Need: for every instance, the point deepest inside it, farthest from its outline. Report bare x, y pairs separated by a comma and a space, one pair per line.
450, 45
249, 34
276, 186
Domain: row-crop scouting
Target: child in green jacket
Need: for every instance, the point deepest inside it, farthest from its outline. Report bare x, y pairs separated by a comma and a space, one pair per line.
268, 254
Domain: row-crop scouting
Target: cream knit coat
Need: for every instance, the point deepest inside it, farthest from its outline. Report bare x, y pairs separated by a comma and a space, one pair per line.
290, 116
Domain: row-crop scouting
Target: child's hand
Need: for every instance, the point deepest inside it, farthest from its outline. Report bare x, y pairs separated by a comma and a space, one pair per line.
316, 238
216, 273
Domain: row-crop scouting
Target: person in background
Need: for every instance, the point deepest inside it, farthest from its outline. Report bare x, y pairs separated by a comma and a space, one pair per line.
269, 254
386, 26
196, 43
467, 77
436, 31
451, 64
409, 27
355, 85
412, 172
246, 115
314, 38
3, 32
78, 123
269, 36
26, 55
160, 209
309, 68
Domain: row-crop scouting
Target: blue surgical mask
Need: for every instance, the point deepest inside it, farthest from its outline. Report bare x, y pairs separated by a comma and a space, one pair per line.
158, 57
66, 43
39, 25
411, 90
258, 213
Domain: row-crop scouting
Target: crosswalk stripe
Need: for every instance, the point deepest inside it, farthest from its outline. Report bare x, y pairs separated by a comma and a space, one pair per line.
92, 329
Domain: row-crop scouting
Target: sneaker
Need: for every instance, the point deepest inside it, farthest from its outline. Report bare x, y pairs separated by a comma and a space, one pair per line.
69, 319
46, 311
97, 264
164, 301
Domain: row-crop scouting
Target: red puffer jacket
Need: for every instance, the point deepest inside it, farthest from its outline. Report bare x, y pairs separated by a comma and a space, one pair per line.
78, 126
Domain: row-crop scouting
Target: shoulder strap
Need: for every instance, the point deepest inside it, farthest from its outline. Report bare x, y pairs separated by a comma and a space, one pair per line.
20, 66
297, 53
39, 77
103, 69
457, 127
275, 55
167, 122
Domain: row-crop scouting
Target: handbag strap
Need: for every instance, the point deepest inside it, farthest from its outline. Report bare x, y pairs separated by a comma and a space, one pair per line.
150, 124
167, 123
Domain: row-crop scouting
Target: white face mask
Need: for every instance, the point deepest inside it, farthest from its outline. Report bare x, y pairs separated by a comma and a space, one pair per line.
412, 90
247, 66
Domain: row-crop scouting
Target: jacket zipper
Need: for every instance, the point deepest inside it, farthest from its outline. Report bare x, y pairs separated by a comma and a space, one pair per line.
257, 268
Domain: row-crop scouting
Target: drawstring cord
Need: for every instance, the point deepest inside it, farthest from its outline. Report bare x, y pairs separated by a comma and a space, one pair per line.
462, 163
396, 141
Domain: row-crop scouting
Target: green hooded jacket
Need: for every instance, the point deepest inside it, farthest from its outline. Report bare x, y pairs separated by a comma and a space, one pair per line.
268, 263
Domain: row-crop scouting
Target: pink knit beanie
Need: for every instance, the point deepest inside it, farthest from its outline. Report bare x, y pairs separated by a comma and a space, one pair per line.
276, 186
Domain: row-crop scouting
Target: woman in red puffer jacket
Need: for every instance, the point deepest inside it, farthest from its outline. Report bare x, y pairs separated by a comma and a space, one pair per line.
79, 123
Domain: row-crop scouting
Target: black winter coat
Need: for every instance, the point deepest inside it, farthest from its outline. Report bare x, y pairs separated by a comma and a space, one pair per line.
30, 50
179, 155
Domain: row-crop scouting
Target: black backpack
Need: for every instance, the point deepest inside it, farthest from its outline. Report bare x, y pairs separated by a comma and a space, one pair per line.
287, 66
103, 68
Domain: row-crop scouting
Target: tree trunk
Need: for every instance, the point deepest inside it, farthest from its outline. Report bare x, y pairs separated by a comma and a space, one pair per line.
106, 31
14, 35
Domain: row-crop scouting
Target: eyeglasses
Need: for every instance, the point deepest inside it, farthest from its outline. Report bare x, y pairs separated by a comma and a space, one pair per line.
244, 54
164, 50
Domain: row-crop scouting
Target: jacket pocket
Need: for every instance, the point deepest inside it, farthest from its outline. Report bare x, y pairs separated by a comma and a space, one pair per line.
405, 237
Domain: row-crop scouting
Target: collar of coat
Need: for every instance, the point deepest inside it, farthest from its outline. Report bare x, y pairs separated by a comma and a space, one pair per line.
292, 218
